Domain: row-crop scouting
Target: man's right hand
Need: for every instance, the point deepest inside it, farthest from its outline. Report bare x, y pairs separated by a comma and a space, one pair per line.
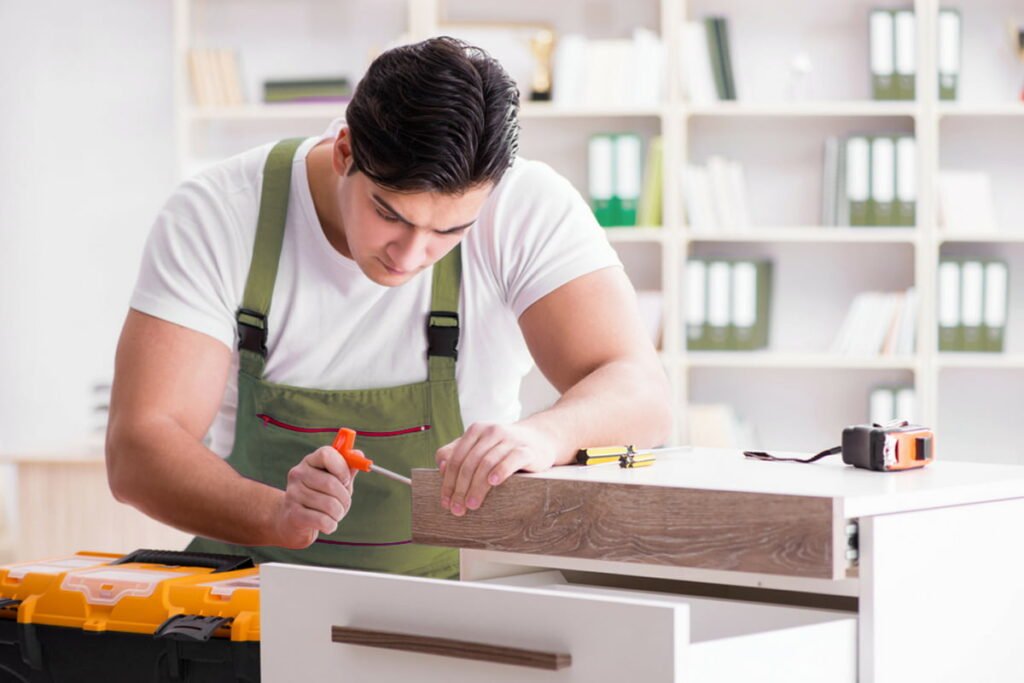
317, 497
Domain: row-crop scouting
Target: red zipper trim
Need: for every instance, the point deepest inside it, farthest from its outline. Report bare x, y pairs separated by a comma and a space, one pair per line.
267, 419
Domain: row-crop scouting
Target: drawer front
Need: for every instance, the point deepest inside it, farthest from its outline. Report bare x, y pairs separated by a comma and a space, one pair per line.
429, 630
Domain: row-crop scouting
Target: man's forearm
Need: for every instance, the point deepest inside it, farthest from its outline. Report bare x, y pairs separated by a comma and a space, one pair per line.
168, 474
623, 402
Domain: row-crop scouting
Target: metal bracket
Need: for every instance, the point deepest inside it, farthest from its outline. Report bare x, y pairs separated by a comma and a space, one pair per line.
852, 543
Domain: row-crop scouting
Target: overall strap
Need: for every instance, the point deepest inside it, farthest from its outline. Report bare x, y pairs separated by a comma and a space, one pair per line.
443, 323
259, 287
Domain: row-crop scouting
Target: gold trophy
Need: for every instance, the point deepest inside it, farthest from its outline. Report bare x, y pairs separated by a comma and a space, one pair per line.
542, 44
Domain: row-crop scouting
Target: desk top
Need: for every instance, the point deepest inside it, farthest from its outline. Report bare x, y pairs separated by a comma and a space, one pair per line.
856, 492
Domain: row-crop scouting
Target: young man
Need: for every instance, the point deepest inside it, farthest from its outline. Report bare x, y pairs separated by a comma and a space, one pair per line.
415, 265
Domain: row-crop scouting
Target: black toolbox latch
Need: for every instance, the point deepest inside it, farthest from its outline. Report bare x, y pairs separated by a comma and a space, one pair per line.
190, 627
9, 603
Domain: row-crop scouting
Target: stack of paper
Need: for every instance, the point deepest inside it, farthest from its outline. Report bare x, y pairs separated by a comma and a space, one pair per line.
879, 323
715, 196
609, 73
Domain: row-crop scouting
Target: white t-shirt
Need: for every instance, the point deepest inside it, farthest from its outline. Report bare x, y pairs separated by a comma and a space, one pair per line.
330, 327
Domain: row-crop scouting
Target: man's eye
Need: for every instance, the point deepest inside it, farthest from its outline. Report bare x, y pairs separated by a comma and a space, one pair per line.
388, 217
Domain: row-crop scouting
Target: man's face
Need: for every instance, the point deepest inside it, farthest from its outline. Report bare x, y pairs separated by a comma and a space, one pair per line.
391, 235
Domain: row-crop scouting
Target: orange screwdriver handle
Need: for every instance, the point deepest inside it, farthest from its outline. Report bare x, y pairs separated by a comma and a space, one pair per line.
343, 443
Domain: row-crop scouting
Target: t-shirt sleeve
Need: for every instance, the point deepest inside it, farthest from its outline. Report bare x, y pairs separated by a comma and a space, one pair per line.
190, 267
546, 236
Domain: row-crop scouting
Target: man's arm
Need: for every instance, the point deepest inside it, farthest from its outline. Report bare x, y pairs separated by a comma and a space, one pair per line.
168, 385
588, 340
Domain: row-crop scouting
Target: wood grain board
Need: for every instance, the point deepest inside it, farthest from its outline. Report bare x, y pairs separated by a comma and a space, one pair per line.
448, 647
665, 525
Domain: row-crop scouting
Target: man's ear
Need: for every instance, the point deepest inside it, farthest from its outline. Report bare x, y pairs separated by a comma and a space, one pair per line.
341, 158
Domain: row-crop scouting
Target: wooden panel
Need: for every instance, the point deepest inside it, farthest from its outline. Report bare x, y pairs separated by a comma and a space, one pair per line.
449, 647
64, 507
661, 525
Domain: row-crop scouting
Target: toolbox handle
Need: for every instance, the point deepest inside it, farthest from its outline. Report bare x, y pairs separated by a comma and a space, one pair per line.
446, 647
183, 558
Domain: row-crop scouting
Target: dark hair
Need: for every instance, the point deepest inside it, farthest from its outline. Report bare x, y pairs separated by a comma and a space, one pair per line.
435, 116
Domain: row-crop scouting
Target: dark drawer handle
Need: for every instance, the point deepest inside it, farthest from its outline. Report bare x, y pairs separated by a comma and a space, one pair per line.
447, 647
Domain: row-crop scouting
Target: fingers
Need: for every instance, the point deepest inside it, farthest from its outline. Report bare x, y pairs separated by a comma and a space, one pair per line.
462, 463
494, 469
319, 491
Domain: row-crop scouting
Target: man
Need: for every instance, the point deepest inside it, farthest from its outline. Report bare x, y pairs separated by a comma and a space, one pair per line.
415, 265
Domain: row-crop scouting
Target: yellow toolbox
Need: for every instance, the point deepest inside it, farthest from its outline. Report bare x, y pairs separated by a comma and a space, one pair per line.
151, 615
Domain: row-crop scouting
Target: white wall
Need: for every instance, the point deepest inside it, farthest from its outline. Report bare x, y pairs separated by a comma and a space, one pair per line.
86, 160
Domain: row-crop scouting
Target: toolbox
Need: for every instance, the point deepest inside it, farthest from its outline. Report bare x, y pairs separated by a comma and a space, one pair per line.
152, 615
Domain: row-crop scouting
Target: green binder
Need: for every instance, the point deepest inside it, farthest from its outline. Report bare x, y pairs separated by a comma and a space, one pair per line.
972, 305
627, 177
950, 329
905, 200
881, 39
601, 159
882, 205
997, 288
949, 47
751, 301
858, 180
905, 52
697, 332
715, 57
719, 312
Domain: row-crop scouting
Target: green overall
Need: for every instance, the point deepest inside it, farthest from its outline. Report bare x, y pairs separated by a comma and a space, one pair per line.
398, 427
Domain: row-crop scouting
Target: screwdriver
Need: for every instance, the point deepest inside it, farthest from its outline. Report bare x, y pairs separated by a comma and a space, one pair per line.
344, 442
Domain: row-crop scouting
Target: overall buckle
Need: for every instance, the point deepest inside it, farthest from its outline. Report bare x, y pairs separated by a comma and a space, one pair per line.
252, 337
443, 340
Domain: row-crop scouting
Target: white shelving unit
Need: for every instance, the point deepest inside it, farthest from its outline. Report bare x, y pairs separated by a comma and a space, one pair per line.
797, 395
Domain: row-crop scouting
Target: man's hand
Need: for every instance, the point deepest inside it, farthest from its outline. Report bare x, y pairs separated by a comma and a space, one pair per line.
485, 456
317, 497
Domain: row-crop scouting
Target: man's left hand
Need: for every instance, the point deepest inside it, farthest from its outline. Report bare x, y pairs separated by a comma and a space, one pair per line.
485, 456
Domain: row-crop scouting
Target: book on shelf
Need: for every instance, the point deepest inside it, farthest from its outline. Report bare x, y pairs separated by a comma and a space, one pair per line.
879, 324
649, 211
715, 197
892, 38
707, 61
615, 178
215, 77
888, 403
727, 305
869, 181
948, 47
307, 90
973, 300
965, 202
609, 72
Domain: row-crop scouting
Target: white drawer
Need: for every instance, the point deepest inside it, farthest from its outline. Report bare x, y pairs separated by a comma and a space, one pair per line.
609, 635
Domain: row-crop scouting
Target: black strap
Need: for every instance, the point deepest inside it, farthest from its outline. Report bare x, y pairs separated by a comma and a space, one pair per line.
760, 455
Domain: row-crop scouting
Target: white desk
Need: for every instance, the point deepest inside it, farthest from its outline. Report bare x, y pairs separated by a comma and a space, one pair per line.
937, 587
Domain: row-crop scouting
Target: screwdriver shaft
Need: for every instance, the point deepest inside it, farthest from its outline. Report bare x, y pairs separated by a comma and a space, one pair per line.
391, 475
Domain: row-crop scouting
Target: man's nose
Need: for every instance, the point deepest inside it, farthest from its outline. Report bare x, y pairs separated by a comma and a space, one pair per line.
410, 253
